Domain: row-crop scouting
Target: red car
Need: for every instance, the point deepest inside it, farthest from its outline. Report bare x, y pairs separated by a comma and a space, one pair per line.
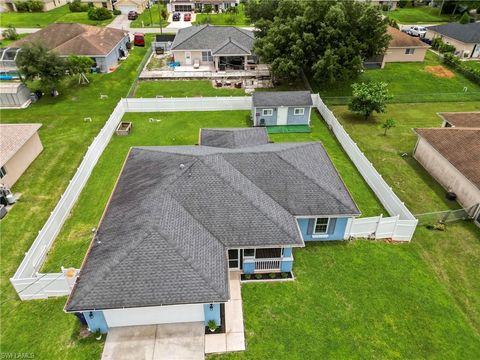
139, 39
187, 17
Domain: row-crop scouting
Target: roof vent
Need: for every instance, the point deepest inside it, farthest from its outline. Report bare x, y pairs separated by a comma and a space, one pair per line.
182, 166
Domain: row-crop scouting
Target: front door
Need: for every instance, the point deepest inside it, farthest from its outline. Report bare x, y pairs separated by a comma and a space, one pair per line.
234, 259
188, 58
282, 115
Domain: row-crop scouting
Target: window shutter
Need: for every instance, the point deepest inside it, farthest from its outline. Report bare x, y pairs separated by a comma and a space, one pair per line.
331, 226
311, 224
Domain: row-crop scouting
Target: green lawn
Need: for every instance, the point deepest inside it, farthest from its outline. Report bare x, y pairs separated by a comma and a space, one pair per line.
224, 18
418, 15
144, 19
183, 88
6, 42
408, 82
41, 327
42, 19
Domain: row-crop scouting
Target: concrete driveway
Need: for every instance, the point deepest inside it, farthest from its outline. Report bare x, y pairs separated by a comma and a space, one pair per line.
156, 342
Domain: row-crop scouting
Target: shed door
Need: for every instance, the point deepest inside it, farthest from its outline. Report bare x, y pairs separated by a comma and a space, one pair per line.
282, 115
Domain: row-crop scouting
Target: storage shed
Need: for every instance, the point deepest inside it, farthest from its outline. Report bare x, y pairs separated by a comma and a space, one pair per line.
14, 95
281, 108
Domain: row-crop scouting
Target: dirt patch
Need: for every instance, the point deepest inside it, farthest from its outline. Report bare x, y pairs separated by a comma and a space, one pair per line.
440, 71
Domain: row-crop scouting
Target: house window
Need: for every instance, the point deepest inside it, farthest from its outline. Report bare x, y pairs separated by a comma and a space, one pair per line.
321, 225
267, 112
207, 56
249, 252
3, 172
409, 51
104, 4
298, 111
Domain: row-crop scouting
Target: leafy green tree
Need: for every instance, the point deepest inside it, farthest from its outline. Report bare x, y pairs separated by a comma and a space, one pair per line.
465, 19
78, 64
368, 98
387, 125
35, 61
207, 8
99, 13
261, 9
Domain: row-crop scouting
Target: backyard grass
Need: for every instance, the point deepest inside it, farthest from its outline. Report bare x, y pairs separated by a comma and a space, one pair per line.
42, 19
149, 17
6, 42
408, 82
183, 88
41, 327
419, 15
225, 19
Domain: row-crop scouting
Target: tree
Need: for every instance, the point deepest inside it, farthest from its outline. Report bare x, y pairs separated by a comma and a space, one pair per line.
78, 64
328, 39
465, 19
207, 8
261, 9
369, 97
99, 13
10, 33
388, 124
35, 61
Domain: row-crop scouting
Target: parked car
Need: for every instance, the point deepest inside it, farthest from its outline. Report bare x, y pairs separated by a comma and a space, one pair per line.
187, 17
132, 15
176, 16
139, 39
417, 31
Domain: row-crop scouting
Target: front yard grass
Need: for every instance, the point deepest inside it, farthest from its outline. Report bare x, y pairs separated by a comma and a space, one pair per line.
408, 82
149, 17
182, 88
224, 19
419, 15
61, 14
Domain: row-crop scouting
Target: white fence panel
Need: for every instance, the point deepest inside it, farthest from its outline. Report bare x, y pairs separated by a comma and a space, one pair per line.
386, 227
188, 104
364, 227
41, 286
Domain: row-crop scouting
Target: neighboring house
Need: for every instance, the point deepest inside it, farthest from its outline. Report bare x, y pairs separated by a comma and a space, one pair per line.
125, 6
391, 4
461, 119
9, 5
401, 48
450, 155
182, 217
271, 108
107, 4
14, 95
104, 45
465, 37
219, 47
198, 5
19, 146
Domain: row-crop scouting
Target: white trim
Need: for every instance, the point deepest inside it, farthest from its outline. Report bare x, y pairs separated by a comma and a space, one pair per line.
300, 108
324, 233
269, 109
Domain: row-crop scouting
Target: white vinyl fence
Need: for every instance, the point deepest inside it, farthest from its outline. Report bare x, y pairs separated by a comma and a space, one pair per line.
30, 284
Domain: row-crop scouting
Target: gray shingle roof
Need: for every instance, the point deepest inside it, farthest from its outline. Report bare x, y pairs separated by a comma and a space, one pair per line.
176, 210
234, 138
226, 39
282, 98
467, 33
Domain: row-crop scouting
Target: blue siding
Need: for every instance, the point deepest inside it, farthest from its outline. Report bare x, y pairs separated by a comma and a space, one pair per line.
269, 120
96, 321
111, 60
338, 233
249, 266
213, 314
298, 119
272, 120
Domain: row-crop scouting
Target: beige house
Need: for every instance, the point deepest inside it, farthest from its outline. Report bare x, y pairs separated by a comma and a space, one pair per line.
198, 5
19, 146
450, 155
107, 4
125, 6
404, 48
9, 5
465, 38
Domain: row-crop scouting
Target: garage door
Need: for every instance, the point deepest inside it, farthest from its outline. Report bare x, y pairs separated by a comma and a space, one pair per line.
126, 8
154, 315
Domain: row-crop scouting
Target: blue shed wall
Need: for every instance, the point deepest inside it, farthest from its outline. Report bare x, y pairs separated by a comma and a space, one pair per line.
298, 119
272, 120
96, 321
269, 120
213, 314
338, 233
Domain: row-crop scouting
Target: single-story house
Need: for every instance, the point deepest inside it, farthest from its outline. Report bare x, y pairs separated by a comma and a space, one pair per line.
125, 6
461, 119
104, 45
181, 218
14, 95
19, 146
107, 4
465, 37
271, 108
392, 4
198, 5
10, 5
221, 47
401, 48
450, 155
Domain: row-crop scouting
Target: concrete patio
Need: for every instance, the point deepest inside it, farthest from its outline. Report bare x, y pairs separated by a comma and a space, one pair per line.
234, 337
204, 72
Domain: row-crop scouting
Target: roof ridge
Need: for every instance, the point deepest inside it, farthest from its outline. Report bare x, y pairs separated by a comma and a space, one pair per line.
243, 31
195, 33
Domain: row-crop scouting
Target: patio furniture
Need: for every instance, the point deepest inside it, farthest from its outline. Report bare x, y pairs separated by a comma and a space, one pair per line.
238, 85
218, 83
196, 64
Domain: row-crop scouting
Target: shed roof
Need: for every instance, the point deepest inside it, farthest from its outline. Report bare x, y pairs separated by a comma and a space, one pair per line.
460, 146
10, 87
176, 210
463, 119
282, 98
13, 137
400, 39
234, 138
466, 33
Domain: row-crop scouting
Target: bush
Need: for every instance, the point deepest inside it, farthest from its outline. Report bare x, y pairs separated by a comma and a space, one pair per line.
99, 13
402, 3
446, 48
436, 42
450, 58
206, 20
248, 276
35, 5
207, 8
21, 6
116, 12
10, 33
77, 6
258, 276
230, 19
284, 275
385, 7
465, 19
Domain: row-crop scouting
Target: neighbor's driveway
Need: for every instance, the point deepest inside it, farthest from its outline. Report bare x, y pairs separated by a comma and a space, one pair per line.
156, 342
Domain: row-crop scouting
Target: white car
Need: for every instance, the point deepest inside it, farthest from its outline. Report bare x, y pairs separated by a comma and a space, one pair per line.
417, 31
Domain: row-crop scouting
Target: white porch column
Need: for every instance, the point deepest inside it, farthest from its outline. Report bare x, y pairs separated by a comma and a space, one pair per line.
245, 65
215, 60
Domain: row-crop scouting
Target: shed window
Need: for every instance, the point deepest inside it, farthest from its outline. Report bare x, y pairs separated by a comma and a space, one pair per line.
267, 112
409, 51
3, 172
298, 111
207, 56
321, 225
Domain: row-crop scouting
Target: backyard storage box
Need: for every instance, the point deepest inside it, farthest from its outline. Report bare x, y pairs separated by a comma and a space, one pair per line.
14, 95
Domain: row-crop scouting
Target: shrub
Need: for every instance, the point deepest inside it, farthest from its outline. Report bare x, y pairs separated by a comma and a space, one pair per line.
232, 10
212, 325
207, 8
385, 7
206, 20
439, 227
77, 6
465, 19
231, 19
393, 23
436, 42
248, 276
10, 33
21, 6
402, 3
258, 276
116, 12
447, 48
99, 13
449, 57
35, 5
284, 275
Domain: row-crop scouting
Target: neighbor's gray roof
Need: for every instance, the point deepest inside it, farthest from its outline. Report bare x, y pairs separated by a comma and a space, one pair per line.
467, 33
234, 138
282, 98
176, 210
224, 40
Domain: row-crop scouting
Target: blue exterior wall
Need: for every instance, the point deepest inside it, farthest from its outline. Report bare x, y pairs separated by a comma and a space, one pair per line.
212, 314
286, 264
272, 120
298, 119
269, 120
96, 321
111, 60
249, 266
337, 234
